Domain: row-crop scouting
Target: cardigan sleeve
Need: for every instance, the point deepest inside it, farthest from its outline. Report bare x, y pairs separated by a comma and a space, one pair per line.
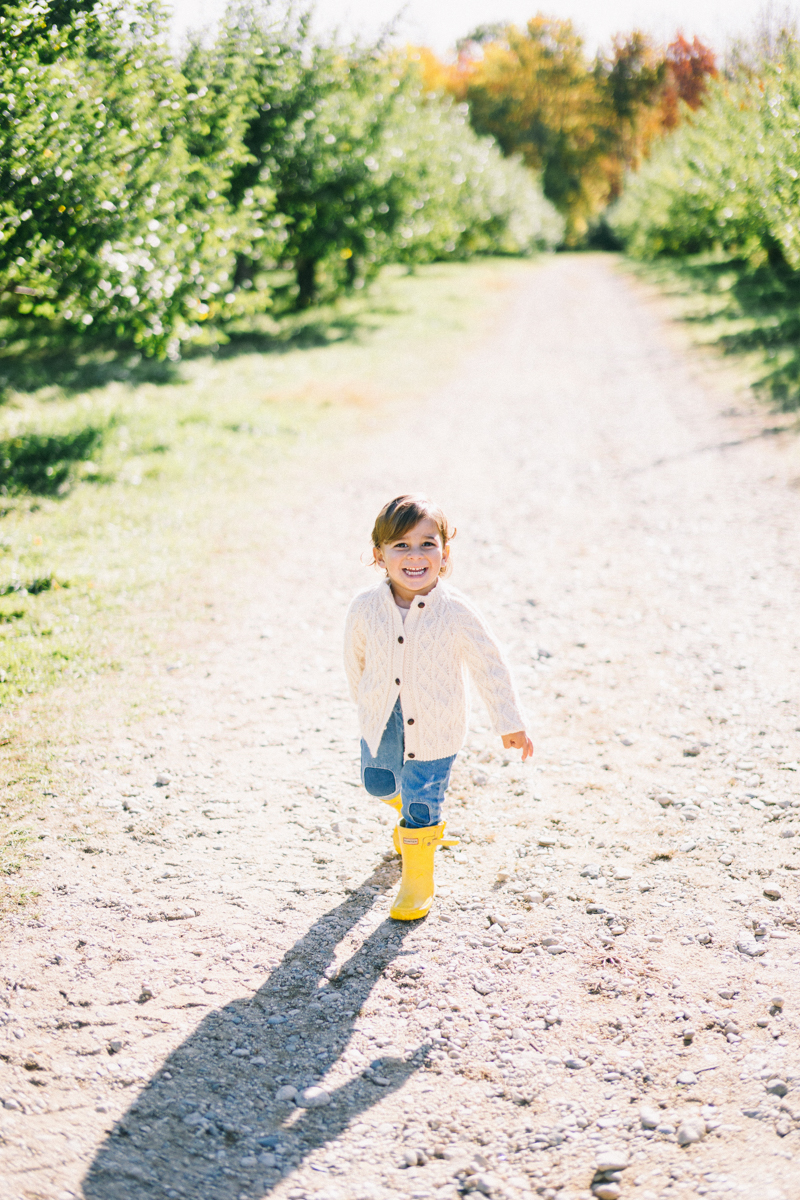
488, 668
354, 649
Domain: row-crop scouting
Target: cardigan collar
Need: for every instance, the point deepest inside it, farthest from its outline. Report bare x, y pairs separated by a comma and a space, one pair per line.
432, 599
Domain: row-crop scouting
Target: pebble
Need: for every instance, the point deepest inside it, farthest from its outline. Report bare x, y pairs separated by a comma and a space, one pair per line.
664, 801
690, 812
687, 1078
287, 1092
777, 1087
12, 1104
690, 1132
612, 1160
314, 1097
687, 847
486, 1184
575, 1064
591, 871
773, 893
607, 1191
533, 897
725, 859
749, 946
556, 949
777, 1001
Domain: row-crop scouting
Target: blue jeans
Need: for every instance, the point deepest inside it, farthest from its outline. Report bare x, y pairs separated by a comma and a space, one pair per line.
421, 785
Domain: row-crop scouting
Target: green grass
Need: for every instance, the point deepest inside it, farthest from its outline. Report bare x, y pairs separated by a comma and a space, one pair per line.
156, 477
749, 311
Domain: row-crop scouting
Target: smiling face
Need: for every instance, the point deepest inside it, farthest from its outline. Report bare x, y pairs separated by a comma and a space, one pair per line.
414, 561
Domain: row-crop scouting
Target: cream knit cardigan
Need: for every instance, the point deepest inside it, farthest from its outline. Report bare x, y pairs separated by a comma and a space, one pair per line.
425, 662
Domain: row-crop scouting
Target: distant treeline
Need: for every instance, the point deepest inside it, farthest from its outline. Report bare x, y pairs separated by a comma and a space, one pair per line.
730, 177
583, 123
144, 198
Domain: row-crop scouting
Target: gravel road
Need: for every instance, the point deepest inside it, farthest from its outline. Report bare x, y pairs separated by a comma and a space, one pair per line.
213, 1003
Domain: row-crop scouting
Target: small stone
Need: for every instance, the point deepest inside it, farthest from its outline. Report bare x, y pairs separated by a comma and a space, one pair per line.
194, 1118
777, 1087
725, 859
787, 833
783, 1128
692, 751
607, 1191
704, 937
480, 778
484, 1183
777, 1001
533, 897
410, 1158
687, 847
286, 1093
623, 873
314, 1097
772, 893
690, 1132
547, 839
687, 1078
664, 801
556, 949
756, 804
612, 1160
180, 914
162, 781
649, 1117
12, 1104
591, 871
690, 812
266, 1159
749, 946
575, 1064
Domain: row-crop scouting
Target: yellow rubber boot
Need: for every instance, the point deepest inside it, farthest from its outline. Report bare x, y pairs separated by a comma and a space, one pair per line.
397, 804
417, 847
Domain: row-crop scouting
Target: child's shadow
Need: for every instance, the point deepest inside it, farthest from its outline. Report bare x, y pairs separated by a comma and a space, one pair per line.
194, 1131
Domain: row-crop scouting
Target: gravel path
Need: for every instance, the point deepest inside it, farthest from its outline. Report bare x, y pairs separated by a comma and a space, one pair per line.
213, 1003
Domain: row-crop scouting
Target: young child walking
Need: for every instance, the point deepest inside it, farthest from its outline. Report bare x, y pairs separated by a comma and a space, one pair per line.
410, 642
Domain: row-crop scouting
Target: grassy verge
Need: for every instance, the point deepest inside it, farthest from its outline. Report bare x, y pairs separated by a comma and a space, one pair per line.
749, 312
120, 482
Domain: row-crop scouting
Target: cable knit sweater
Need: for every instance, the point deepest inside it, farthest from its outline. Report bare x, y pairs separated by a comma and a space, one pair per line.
425, 661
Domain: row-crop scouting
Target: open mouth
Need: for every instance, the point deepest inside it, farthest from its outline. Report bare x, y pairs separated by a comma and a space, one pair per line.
414, 572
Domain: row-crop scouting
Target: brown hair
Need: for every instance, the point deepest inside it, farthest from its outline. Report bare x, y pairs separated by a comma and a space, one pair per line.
403, 513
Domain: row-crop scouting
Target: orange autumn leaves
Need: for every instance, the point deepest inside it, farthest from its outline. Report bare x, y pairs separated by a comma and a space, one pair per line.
580, 123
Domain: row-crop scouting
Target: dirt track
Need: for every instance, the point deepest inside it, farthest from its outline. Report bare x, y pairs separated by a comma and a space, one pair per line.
634, 542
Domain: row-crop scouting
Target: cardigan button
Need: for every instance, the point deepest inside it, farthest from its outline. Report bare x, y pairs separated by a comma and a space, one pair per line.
400, 640
412, 755
397, 681
421, 604
411, 720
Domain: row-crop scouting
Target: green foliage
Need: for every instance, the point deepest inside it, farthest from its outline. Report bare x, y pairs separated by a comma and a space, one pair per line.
456, 195
42, 463
727, 179
140, 199
113, 220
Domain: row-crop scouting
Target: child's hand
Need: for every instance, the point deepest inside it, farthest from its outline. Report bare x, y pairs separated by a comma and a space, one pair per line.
519, 741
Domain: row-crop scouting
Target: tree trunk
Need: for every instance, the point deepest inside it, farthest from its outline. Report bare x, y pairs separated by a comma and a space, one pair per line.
306, 270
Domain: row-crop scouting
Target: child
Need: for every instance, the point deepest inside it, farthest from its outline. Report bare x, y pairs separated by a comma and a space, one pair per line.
409, 642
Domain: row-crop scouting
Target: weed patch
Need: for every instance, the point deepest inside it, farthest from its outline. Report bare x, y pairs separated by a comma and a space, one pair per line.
42, 464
